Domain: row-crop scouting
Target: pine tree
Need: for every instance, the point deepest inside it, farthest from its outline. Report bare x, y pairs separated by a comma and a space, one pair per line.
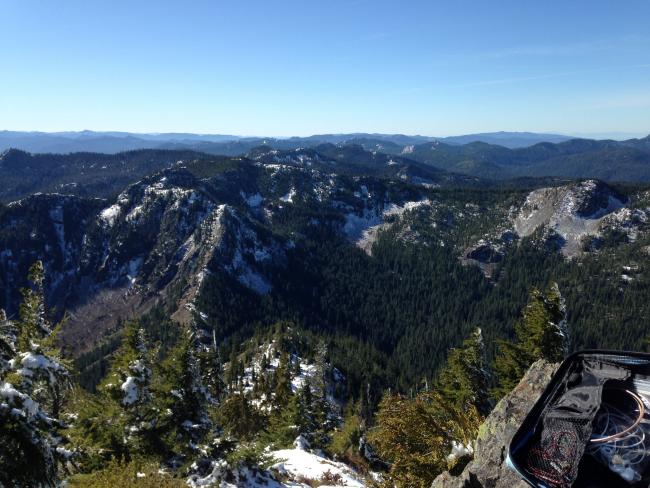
212, 368
33, 379
416, 436
322, 409
129, 378
239, 417
321, 370
233, 370
541, 333
120, 420
183, 394
33, 324
464, 379
303, 413
345, 441
283, 390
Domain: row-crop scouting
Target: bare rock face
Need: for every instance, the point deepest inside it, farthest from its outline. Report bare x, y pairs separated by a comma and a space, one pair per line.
569, 212
488, 468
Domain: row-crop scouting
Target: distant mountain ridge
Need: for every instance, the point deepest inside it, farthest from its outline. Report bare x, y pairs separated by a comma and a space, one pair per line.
115, 141
608, 160
507, 139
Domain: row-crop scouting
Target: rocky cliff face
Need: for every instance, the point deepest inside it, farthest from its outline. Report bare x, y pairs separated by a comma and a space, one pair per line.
569, 212
572, 219
488, 469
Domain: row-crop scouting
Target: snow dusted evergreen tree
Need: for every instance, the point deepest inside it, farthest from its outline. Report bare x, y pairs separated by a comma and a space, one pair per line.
184, 396
464, 379
306, 418
33, 380
128, 384
119, 421
33, 324
322, 369
556, 339
541, 333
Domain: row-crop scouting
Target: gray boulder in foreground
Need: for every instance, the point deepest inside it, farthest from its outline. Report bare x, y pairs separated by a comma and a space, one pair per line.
488, 468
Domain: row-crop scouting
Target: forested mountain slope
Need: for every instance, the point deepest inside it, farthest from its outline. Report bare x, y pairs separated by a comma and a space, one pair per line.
575, 158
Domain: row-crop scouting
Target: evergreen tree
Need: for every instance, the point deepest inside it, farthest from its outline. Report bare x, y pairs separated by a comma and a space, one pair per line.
284, 424
120, 420
239, 417
541, 333
33, 380
33, 324
321, 370
129, 378
416, 436
232, 374
321, 407
306, 420
212, 368
283, 390
464, 379
184, 396
294, 419
345, 441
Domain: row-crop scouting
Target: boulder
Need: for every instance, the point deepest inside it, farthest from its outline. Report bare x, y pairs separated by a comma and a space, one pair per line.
488, 469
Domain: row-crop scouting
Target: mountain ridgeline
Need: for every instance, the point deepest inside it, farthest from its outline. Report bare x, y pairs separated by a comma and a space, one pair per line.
115, 142
86, 173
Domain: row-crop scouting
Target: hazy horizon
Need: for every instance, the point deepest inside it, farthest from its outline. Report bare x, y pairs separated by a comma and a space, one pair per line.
595, 135
300, 68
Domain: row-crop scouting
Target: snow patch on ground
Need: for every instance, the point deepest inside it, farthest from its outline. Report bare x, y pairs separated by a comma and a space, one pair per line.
133, 269
301, 464
355, 225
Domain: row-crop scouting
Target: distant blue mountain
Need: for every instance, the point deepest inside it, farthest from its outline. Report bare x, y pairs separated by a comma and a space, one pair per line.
114, 142
507, 139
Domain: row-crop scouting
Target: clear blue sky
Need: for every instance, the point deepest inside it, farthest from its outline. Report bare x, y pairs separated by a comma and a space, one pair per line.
301, 67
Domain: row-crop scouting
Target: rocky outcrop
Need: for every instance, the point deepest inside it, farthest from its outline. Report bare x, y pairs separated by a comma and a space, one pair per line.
488, 469
571, 212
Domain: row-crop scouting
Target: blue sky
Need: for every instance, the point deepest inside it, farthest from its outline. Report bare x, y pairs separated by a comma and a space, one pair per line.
283, 68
